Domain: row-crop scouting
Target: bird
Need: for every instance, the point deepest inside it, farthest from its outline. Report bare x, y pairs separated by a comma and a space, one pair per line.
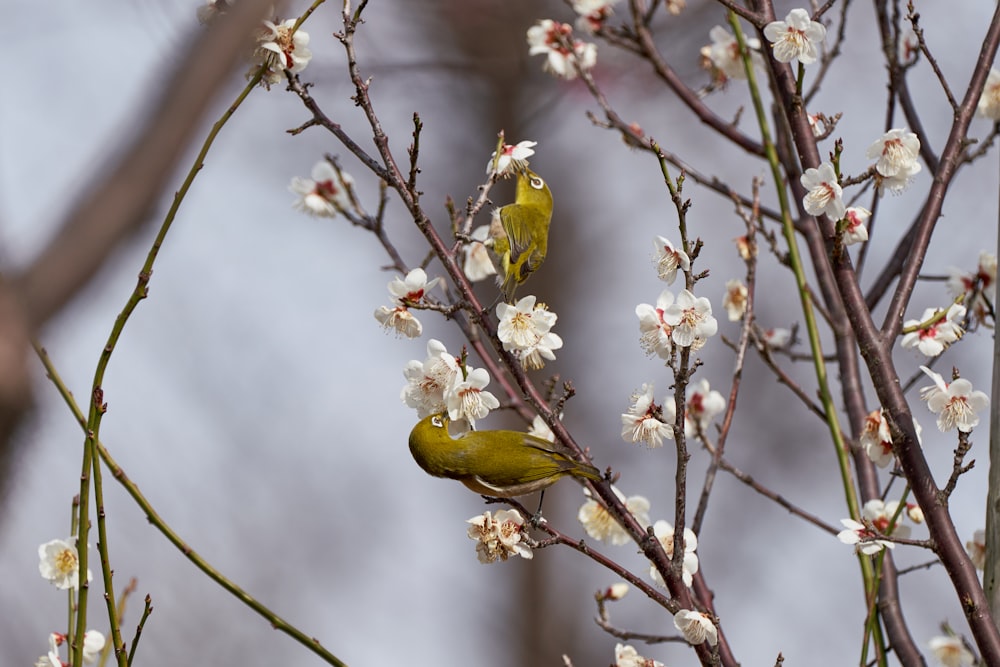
504, 464
519, 232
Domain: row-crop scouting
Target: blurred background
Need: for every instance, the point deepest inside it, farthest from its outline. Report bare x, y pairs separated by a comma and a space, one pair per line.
255, 401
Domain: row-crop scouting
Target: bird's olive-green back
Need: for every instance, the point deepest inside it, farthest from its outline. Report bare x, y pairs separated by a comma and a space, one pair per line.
501, 459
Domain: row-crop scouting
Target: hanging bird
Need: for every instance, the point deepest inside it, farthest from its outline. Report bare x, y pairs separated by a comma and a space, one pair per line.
505, 464
519, 232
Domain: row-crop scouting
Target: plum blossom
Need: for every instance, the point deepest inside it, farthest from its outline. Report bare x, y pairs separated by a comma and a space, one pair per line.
468, 399
897, 152
627, 656
854, 229
977, 289
642, 422
735, 299
547, 37
601, 525
955, 403
664, 532
405, 292
498, 536
476, 262
723, 54
525, 331
690, 318
879, 514
59, 563
935, 330
976, 548
824, 196
326, 193
696, 627
655, 335
796, 37
428, 382
593, 14
512, 158
669, 259
950, 651
989, 101
279, 49
864, 539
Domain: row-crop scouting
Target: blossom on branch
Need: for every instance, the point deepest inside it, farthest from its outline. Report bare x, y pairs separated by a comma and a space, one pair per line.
950, 651
976, 548
897, 152
655, 335
642, 422
864, 539
989, 101
669, 259
476, 262
696, 627
601, 524
469, 400
691, 319
880, 514
593, 14
405, 292
932, 339
525, 331
853, 228
550, 38
735, 299
279, 49
326, 193
723, 57
824, 196
427, 382
627, 656
59, 564
512, 158
978, 290
796, 37
664, 532
498, 536
955, 403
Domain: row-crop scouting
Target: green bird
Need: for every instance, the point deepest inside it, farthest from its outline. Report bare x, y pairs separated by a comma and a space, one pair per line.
504, 464
519, 232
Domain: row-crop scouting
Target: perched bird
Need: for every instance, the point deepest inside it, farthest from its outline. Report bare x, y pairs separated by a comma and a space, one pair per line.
519, 232
505, 464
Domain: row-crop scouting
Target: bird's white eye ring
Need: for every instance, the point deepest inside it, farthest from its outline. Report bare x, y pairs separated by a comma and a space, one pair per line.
436, 421
537, 183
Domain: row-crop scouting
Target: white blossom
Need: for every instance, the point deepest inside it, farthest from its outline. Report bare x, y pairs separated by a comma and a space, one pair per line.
796, 37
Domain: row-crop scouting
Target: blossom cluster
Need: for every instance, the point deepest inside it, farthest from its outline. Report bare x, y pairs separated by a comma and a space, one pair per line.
498, 536
406, 293
442, 382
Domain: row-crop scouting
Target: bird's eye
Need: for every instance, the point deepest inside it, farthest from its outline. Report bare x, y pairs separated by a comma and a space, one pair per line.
436, 420
537, 183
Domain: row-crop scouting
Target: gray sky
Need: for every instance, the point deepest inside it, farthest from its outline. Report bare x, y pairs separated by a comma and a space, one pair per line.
255, 401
